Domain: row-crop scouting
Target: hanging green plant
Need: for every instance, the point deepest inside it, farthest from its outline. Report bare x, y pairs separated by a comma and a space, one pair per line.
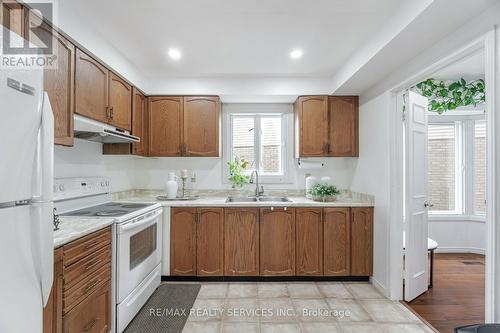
450, 95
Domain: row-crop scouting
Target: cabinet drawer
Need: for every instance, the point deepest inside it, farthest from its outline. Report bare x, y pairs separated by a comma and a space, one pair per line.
86, 267
86, 287
92, 315
85, 246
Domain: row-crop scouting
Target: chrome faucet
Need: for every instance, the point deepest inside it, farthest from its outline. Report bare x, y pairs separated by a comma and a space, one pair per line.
258, 190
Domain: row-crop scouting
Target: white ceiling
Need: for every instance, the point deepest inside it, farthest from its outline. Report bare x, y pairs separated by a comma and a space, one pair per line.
235, 38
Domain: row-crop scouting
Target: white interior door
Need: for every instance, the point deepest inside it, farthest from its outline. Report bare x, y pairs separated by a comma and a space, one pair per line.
416, 266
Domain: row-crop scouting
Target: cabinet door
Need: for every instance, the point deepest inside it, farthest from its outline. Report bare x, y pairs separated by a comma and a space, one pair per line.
277, 242
210, 242
13, 17
183, 241
241, 241
165, 126
91, 315
312, 122
362, 241
309, 241
336, 245
91, 87
58, 82
52, 313
139, 122
201, 126
120, 102
343, 121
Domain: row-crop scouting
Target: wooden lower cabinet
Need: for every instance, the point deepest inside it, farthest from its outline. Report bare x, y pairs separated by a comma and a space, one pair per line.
210, 242
309, 241
52, 313
183, 241
92, 315
277, 242
336, 242
362, 241
80, 299
241, 241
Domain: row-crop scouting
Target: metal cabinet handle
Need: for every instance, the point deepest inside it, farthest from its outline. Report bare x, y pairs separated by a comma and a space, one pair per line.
111, 112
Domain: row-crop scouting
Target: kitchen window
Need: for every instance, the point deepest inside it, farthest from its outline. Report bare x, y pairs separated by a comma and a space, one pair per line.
261, 138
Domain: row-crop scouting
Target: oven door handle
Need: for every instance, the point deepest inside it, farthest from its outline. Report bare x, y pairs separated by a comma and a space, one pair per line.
134, 225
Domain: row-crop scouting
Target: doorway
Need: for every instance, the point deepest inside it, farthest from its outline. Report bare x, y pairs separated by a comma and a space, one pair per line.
445, 189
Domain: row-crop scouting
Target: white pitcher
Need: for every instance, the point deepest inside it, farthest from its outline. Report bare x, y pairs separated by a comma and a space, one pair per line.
172, 186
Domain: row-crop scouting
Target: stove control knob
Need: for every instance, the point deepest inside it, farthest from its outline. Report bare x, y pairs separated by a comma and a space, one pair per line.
61, 187
103, 184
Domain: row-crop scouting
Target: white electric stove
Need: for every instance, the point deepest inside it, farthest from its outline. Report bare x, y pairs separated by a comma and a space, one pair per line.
137, 239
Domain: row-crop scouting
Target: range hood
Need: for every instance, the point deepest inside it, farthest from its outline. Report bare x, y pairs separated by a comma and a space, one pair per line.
92, 130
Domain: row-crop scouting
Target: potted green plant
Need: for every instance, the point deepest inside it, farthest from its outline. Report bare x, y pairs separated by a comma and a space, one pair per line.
237, 177
324, 192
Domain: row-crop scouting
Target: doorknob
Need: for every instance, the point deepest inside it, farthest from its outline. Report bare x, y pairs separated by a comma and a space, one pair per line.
428, 204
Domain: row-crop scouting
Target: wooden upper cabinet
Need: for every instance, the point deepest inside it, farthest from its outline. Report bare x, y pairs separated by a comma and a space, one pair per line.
165, 126
210, 242
343, 125
277, 242
309, 241
58, 82
120, 102
201, 126
326, 126
312, 122
13, 16
241, 241
139, 122
183, 241
91, 87
362, 241
337, 237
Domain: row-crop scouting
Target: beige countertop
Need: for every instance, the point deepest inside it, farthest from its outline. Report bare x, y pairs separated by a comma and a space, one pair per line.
221, 202
72, 228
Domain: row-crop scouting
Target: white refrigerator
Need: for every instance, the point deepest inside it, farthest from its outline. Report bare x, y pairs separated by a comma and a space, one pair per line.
26, 208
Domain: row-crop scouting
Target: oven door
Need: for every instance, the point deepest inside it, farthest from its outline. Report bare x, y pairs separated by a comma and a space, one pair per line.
138, 251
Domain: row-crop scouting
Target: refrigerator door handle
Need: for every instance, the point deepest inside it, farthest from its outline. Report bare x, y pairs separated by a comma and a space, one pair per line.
43, 207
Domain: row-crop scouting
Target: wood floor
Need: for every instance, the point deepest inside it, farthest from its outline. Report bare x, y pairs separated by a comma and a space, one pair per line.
457, 298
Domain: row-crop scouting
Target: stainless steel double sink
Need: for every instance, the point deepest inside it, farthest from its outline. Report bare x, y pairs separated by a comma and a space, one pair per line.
258, 199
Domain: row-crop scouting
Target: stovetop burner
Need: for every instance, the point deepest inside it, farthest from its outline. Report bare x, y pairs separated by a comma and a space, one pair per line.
116, 212
109, 209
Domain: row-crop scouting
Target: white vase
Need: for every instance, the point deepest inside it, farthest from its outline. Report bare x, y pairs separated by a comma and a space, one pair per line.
172, 186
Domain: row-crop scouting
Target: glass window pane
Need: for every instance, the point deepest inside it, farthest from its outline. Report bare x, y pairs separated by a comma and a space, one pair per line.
243, 138
271, 159
441, 166
480, 167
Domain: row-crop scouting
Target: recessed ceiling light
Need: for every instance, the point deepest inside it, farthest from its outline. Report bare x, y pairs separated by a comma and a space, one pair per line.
296, 54
174, 53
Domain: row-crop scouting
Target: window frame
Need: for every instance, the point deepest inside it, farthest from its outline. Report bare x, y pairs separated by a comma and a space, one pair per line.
464, 165
258, 111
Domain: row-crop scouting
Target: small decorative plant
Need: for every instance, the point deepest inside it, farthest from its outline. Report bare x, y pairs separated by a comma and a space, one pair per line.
450, 95
236, 169
324, 192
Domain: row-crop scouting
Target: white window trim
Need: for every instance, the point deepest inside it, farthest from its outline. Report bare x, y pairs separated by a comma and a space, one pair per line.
464, 167
286, 144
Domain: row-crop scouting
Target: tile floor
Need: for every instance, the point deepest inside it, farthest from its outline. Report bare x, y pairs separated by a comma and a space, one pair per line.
307, 307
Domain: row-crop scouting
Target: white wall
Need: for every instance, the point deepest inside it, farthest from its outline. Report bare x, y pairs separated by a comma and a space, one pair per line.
458, 236
85, 159
371, 176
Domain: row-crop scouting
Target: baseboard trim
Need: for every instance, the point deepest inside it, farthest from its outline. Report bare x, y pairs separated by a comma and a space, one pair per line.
265, 278
450, 249
379, 286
